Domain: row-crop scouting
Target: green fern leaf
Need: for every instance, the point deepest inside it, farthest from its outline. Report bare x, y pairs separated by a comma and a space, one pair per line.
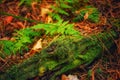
65, 6
7, 47
61, 11
92, 17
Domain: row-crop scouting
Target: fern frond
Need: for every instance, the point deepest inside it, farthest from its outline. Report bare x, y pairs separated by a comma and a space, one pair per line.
7, 47
60, 9
60, 27
93, 14
65, 6
23, 38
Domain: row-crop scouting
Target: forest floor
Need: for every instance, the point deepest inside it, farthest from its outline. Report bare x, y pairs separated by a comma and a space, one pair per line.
106, 68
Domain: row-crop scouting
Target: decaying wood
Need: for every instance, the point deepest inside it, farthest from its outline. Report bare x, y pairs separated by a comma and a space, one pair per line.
62, 55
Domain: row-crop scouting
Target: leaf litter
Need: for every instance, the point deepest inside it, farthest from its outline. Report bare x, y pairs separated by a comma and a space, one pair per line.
39, 12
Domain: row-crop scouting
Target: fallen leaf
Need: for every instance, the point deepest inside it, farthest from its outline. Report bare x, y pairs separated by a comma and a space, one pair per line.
44, 11
33, 6
87, 28
12, 39
20, 24
73, 77
103, 21
37, 45
86, 16
48, 20
5, 38
64, 77
8, 20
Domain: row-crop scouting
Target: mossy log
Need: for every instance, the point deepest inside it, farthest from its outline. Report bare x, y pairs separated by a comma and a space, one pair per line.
62, 55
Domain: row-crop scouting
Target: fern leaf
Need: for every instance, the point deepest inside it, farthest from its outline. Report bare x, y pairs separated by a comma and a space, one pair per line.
64, 23
7, 47
21, 2
56, 16
61, 11
65, 6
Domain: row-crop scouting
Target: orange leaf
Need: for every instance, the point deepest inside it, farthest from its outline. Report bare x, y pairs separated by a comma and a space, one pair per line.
8, 20
20, 24
64, 77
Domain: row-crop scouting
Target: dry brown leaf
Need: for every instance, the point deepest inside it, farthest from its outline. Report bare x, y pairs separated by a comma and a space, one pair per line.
5, 38
87, 28
103, 21
69, 77
44, 11
33, 6
36, 48
73, 77
64, 77
77, 12
86, 16
48, 20
12, 39
38, 45
20, 24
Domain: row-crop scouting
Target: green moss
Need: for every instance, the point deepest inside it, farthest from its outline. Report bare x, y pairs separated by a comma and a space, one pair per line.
64, 53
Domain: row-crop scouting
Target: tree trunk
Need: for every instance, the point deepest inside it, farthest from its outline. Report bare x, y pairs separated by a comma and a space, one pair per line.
62, 55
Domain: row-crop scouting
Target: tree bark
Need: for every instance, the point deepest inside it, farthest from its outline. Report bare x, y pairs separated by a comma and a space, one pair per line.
62, 55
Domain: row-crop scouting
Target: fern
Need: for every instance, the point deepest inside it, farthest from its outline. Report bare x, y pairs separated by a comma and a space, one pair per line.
93, 14
61, 27
60, 8
23, 38
6, 48
26, 36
